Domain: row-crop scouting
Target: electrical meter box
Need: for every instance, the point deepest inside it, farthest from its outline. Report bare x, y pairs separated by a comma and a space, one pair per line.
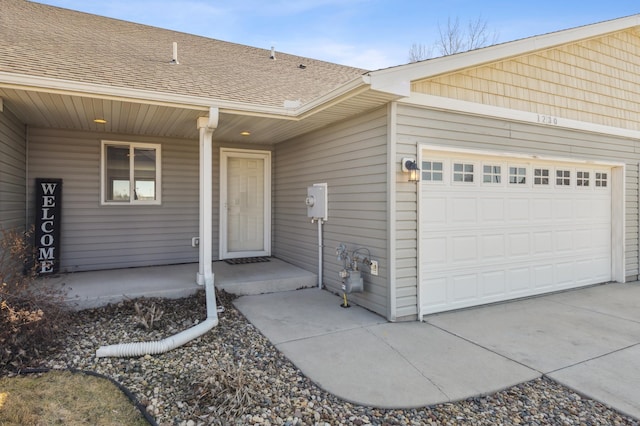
317, 201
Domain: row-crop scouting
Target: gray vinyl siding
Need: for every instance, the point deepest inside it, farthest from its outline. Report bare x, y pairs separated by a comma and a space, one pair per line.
351, 157
427, 126
95, 236
12, 171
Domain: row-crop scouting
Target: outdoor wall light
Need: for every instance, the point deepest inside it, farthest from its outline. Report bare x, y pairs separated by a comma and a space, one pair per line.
245, 133
100, 121
409, 165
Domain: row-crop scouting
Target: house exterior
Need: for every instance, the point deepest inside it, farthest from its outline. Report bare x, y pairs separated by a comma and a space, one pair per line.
528, 154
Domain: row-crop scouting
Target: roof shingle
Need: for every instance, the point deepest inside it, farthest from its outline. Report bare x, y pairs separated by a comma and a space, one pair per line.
45, 41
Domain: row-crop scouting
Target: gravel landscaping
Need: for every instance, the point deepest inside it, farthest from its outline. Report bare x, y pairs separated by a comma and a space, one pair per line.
234, 375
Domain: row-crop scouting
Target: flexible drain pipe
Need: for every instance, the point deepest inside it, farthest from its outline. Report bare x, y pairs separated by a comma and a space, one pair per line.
165, 345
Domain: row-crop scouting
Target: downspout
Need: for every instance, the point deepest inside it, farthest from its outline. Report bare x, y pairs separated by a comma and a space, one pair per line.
165, 345
206, 126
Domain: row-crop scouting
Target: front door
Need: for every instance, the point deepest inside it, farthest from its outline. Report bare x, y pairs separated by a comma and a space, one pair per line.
245, 203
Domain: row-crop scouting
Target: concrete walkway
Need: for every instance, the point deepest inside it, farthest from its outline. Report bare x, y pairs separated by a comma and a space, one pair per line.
588, 340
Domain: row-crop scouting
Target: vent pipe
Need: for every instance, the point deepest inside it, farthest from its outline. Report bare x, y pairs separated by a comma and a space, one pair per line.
273, 53
174, 59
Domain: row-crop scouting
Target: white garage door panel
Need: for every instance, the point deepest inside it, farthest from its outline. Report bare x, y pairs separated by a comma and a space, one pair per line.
488, 242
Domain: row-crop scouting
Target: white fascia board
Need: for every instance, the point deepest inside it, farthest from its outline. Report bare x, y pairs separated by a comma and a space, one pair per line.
74, 88
448, 104
447, 64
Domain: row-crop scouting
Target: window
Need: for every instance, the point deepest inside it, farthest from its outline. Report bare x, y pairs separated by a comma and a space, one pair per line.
563, 177
130, 173
601, 180
432, 171
517, 175
491, 174
462, 172
541, 176
582, 179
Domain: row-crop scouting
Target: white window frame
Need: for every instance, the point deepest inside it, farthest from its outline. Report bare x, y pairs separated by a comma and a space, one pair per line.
464, 172
563, 178
103, 170
580, 180
597, 181
518, 167
443, 172
492, 174
548, 177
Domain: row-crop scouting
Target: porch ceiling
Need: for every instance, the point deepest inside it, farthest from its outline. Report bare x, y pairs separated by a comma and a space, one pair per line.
44, 109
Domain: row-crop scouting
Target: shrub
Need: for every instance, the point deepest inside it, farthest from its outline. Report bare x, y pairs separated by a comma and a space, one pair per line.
32, 312
227, 390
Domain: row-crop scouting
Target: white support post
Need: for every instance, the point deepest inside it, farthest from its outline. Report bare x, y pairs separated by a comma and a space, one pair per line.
206, 127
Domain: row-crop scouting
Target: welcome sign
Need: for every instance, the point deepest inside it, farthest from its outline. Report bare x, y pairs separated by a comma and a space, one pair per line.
47, 225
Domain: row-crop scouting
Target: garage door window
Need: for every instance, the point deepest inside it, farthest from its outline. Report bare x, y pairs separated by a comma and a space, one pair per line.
563, 177
601, 180
463, 172
491, 174
432, 171
582, 179
517, 175
541, 176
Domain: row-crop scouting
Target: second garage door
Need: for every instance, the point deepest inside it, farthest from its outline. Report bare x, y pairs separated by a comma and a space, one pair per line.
494, 228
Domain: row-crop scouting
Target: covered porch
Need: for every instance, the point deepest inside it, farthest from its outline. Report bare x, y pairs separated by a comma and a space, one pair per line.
98, 288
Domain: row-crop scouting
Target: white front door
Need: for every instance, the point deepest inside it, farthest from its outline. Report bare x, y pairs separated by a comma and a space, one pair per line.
245, 203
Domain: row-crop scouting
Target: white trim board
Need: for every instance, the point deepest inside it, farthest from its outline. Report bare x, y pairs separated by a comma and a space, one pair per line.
448, 104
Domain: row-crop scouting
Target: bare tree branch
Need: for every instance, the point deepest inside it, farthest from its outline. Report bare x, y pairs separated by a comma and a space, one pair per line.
455, 39
420, 52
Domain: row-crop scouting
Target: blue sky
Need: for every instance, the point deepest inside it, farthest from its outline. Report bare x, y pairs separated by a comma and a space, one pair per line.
370, 34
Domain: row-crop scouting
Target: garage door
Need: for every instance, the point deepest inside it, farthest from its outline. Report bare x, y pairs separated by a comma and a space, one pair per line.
498, 228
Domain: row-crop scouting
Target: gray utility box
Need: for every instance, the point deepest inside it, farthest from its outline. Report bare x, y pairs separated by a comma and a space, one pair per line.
317, 201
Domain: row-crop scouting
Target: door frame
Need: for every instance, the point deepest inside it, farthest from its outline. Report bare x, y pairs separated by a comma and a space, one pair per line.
225, 154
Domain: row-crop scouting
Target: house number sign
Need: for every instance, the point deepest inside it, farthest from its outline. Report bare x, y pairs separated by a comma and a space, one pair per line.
47, 225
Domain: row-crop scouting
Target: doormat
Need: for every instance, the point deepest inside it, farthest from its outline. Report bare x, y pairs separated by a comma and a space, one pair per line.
246, 260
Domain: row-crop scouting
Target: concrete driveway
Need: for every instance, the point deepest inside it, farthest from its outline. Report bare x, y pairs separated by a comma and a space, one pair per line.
587, 339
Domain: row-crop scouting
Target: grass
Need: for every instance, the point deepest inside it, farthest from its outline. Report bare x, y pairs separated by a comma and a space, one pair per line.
64, 398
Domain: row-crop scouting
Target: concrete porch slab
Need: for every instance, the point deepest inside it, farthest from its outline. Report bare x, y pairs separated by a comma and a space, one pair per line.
98, 288
262, 277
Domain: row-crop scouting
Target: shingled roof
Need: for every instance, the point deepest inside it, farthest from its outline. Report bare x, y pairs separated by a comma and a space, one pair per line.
45, 41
